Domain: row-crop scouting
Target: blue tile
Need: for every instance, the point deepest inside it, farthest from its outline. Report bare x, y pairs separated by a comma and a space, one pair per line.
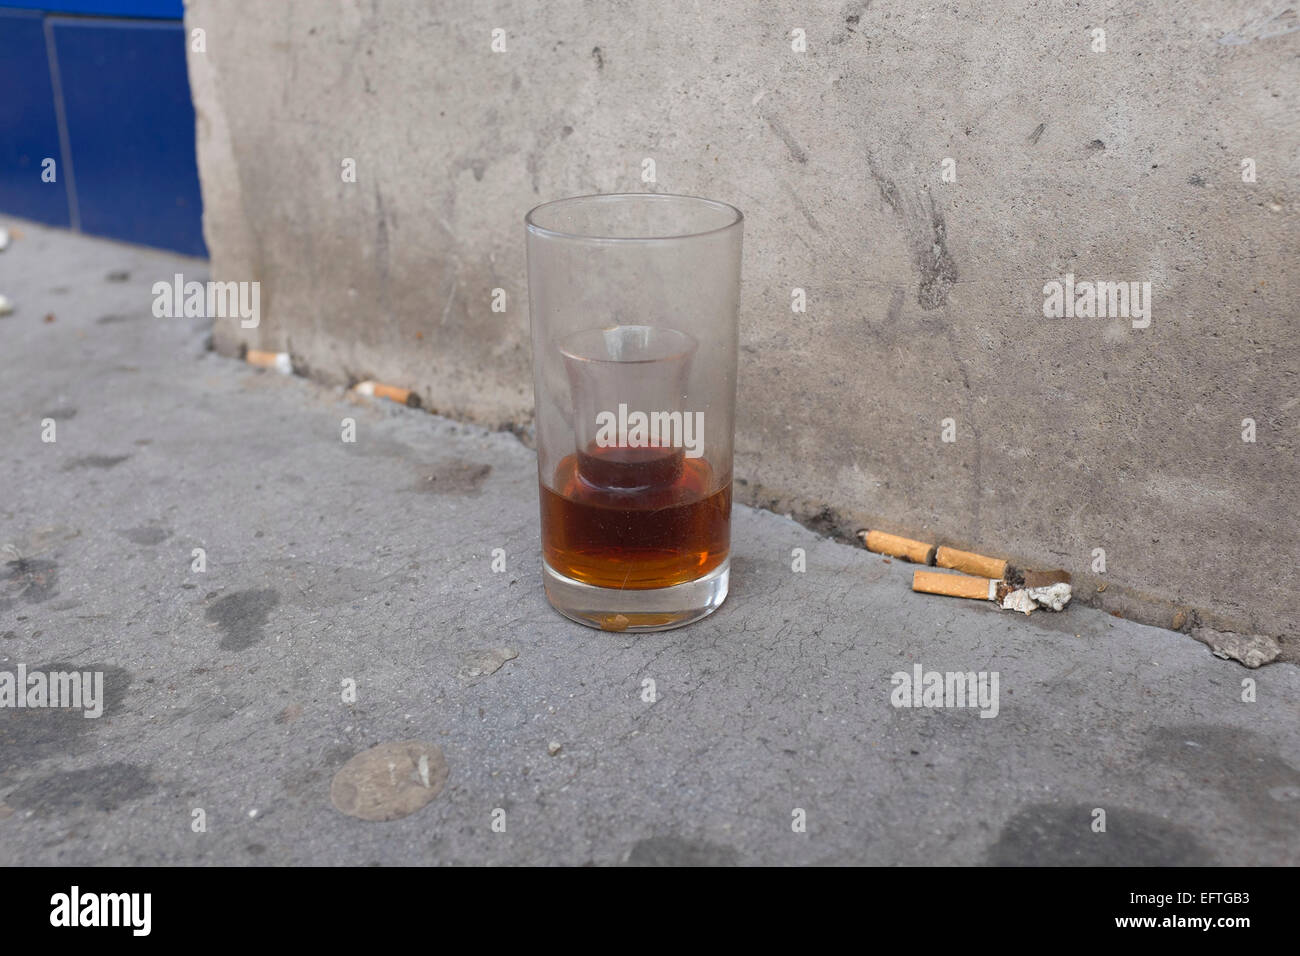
164, 9
29, 130
126, 96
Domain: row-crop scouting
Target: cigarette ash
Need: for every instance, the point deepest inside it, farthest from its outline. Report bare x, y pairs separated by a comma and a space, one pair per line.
1027, 600
1029, 591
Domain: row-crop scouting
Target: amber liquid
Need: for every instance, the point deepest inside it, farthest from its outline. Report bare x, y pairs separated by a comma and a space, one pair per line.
635, 518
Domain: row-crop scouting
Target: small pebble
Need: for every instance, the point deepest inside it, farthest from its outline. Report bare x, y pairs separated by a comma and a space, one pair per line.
553, 748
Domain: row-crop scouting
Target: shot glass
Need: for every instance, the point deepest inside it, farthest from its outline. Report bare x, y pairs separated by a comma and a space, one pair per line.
633, 308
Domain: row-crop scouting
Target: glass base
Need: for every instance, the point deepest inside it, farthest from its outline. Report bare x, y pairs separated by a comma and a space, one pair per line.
659, 609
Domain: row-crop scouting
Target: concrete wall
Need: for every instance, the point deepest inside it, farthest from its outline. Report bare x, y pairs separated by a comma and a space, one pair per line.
925, 297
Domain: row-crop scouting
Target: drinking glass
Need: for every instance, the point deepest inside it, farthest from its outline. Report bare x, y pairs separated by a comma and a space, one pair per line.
633, 309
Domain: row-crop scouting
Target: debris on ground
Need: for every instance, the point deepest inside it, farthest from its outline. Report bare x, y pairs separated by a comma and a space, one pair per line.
971, 563
4, 238
882, 542
403, 396
1050, 590
485, 661
553, 748
6, 305
1054, 597
1252, 650
955, 585
280, 361
389, 781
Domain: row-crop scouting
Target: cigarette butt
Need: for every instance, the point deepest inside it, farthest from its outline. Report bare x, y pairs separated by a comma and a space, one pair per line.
954, 585
896, 547
403, 396
977, 564
279, 361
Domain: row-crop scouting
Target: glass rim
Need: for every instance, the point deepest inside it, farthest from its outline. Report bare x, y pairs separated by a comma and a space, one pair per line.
684, 350
737, 217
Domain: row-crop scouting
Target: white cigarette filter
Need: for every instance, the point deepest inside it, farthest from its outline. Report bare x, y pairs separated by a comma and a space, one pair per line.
394, 393
279, 361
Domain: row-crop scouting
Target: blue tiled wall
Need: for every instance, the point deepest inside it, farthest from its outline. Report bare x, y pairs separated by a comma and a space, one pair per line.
160, 9
119, 87
29, 128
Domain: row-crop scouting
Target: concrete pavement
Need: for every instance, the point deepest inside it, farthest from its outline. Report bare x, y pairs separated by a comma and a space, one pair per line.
332, 565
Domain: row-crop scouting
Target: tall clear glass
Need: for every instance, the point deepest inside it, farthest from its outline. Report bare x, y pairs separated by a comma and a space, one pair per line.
633, 305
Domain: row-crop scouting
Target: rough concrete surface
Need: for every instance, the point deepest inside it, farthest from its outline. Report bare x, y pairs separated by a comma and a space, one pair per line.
925, 297
329, 563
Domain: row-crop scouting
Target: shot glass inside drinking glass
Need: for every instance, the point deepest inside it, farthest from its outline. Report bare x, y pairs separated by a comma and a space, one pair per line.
628, 385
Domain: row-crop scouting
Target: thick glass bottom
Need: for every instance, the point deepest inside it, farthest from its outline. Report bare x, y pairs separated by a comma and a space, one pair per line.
656, 609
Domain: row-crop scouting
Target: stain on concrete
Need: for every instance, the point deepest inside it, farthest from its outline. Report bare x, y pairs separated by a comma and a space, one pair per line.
803, 208
927, 237
457, 477
62, 413
476, 165
370, 444
381, 241
242, 617
1278, 24
211, 709
118, 275
1243, 766
146, 535
678, 851
1056, 834
895, 307
30, 735
484, 661
290, 713
33, 580
533, 162
599, 57
797, 152
852, 16
95, 461
104, 788
116, 317
389, 781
